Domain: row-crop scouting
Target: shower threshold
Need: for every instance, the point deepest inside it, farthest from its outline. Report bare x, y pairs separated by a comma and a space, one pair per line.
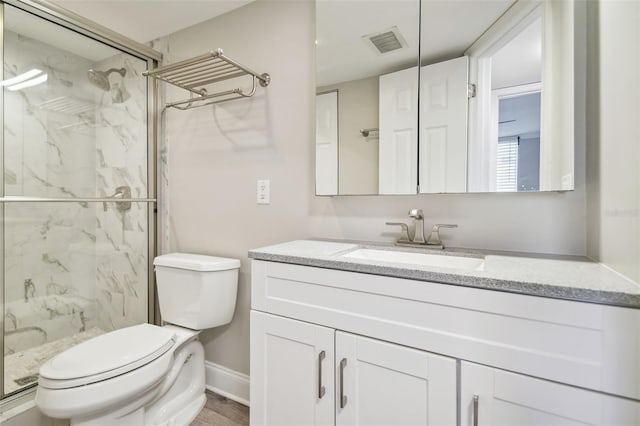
21, 368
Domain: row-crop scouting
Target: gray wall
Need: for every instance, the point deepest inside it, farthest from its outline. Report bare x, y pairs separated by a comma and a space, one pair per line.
217, 154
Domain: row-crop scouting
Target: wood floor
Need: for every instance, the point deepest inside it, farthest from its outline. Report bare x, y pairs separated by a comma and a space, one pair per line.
221, 411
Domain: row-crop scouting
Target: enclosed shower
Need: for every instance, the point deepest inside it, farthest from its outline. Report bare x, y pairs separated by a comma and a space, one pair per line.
77, 203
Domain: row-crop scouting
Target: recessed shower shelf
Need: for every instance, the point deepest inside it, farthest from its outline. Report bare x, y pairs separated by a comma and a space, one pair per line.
196, 73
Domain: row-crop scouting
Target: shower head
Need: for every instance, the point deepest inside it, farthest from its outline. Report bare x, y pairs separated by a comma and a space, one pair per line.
100, 79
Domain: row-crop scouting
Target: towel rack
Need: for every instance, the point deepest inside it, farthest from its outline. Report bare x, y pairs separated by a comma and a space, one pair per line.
195, 73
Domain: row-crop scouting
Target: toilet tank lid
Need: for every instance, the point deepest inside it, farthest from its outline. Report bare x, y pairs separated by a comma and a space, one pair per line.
196, 262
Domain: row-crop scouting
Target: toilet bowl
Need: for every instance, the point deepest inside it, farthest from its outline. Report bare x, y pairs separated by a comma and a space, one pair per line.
146, 374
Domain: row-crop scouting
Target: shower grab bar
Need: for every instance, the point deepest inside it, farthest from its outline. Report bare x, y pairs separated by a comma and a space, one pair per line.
17, 199
195, 73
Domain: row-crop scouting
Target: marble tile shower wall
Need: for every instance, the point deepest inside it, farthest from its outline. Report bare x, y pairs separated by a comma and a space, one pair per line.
73, 266
121, 160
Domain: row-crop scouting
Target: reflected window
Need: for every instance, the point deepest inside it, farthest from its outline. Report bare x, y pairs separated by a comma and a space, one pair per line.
507, 165
518, 151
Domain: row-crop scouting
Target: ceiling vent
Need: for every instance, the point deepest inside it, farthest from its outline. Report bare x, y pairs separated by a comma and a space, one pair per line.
386, 41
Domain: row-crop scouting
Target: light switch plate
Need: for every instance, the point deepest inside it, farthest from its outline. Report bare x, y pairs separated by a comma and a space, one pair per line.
263, 191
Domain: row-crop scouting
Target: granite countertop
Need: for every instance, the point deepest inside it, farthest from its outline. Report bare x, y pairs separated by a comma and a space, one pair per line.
560, 277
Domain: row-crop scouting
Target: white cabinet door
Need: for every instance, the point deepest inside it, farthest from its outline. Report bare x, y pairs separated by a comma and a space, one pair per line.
510, 399
291, 361
398, 144
379, 383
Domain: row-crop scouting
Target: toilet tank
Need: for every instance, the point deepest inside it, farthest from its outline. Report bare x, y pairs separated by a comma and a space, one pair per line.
196, 291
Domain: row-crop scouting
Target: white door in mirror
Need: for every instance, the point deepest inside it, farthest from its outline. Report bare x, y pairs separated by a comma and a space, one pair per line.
443, 132
398, 150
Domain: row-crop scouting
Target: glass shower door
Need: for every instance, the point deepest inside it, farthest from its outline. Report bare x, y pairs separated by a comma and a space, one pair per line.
75, 257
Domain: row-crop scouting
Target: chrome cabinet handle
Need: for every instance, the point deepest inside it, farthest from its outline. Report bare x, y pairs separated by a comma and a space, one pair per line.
343, 397
476, 403
321, 389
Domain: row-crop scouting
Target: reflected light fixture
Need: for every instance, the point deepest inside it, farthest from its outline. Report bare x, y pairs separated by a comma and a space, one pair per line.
28, 83
29, 78
20, 78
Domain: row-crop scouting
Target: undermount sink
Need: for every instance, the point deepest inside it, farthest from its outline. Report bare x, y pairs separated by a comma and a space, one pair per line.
421, 259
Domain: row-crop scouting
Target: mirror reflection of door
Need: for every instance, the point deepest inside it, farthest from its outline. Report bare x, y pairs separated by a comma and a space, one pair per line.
363, 46
443, 126
368, 51
398, 162
327, 143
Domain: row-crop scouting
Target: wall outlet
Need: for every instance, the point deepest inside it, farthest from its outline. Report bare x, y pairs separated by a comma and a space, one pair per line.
264, 191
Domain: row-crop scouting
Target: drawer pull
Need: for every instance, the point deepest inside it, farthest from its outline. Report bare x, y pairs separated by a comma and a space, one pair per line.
476, 403
343, 397
321, 389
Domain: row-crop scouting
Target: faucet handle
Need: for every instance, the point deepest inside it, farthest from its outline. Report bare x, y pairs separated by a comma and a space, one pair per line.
123, 192
434, 237
404, 231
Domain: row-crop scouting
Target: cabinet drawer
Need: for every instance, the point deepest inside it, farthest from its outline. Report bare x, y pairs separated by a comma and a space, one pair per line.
587, 345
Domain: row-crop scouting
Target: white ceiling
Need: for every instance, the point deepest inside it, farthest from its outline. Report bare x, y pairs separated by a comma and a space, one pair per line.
145, 20
519, 61
449, 27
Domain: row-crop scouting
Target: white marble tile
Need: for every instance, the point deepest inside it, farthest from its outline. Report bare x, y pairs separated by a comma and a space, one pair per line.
72, 252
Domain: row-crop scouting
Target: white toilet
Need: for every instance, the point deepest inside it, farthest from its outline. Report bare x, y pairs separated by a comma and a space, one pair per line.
145, 374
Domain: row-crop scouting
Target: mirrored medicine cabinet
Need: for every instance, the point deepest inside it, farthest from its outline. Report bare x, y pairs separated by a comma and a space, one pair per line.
437, 96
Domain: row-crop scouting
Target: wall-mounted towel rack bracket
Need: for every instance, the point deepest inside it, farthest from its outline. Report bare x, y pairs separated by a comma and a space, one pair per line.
194, 74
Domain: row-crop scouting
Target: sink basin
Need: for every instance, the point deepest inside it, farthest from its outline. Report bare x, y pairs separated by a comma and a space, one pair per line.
420, 259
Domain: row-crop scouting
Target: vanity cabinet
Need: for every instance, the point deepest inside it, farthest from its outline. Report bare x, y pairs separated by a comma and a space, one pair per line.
305, 374
498, 397
418, 352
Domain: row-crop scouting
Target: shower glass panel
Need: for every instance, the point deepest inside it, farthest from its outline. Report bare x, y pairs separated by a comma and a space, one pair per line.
75, 142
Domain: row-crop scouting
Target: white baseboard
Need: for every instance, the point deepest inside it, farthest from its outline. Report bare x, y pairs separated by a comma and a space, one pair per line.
226, 382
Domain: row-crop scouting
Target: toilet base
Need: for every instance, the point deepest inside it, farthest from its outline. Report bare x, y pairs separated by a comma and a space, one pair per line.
184, 396
183, 417
187, 414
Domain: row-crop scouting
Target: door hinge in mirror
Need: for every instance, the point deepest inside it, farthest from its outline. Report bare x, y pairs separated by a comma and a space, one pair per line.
471, 90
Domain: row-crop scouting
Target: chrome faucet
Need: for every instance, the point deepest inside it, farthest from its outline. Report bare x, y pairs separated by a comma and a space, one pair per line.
418, 235
418, 239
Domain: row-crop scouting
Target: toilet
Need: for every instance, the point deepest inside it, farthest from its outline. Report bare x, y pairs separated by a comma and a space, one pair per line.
146, 374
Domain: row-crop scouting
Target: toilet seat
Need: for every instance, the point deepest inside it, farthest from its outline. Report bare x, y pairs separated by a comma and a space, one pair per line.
106, 356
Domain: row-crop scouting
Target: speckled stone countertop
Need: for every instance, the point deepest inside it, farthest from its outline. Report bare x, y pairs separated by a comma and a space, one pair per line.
560, 277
